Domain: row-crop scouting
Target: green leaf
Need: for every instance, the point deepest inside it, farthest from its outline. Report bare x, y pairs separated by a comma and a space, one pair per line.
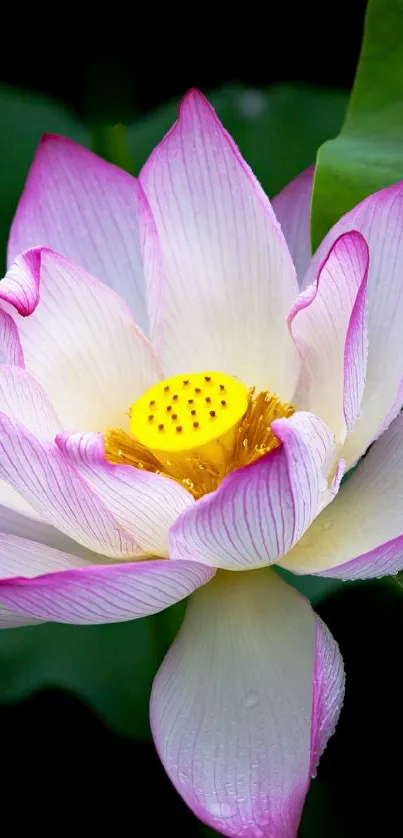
368, 153
110, 142
109, 667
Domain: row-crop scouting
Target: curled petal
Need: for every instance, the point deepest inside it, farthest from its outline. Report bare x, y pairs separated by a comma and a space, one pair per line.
260, 511
380, 220
80, 340
360, 535
328, 323
87, 209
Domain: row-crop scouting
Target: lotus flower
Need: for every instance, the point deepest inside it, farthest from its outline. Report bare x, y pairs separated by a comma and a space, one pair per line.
189, 453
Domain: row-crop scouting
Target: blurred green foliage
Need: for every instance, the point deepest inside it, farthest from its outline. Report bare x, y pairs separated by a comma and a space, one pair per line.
367, 155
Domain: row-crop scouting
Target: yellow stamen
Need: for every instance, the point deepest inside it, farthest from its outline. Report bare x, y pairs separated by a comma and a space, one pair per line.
197, 428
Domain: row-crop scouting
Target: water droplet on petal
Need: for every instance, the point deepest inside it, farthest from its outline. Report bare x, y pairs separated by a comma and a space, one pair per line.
220, 810
250, 700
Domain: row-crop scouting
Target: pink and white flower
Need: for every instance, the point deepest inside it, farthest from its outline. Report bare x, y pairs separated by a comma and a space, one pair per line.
97, 527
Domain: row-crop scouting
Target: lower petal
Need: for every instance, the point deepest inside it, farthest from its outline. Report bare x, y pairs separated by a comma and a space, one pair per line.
46, 584
237, 707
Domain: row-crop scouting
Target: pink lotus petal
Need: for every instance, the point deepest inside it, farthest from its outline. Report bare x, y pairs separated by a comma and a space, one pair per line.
9, 619
23, 399
20, 286
20, 557
380, 220
80, 342
360, 535
10, 346
104, 593
229, 279
145, 504
87, 209
328, 691
260, 511
328, 324
45, 479
292, 207
231, 706
12, 522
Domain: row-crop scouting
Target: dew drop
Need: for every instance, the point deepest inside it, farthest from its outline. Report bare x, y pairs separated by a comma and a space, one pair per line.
220, 810
251, 699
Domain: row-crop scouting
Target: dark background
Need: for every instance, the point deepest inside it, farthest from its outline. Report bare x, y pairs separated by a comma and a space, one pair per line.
119, 68
62, 768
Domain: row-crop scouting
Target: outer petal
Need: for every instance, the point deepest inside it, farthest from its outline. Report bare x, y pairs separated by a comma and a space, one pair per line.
140, 506
260, 511
360, 535
229, 279
12, 522
328, 324
40, 473
232, 705
87, 209
9, 619
328, 691
88, 594
293, 210
10, 345
17, 555
22, 398
145, 504
380, 219
80, 340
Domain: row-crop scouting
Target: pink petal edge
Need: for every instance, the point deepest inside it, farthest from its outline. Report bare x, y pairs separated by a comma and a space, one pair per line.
328, 691
104, 593
260, 511
87, 209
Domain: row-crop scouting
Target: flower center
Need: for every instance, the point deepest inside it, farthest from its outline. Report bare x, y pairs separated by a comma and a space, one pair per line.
196, 413
196, 428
